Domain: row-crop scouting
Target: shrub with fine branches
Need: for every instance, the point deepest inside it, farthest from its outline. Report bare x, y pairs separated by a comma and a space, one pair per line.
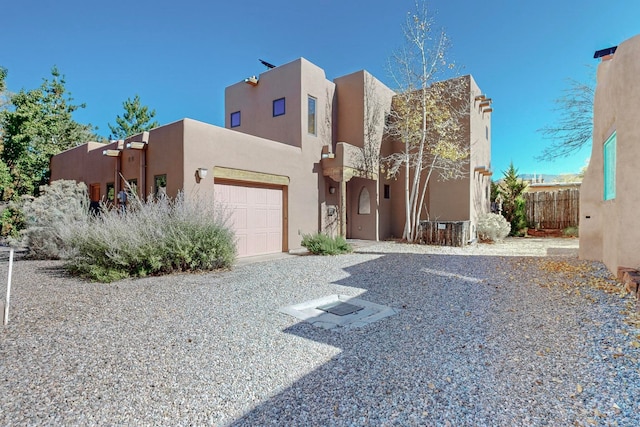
61, 206
493, 227
153, 237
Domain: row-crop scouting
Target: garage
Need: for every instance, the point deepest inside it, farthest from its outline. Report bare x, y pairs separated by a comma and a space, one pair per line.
255, 216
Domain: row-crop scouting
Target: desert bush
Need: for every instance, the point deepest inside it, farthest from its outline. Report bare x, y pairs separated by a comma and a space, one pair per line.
153, 237
322, 244
493, 227
48, 218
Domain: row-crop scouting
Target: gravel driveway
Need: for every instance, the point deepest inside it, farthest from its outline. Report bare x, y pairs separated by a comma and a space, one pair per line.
518, 333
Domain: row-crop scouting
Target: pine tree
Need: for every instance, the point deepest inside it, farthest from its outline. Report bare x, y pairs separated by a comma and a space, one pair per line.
136, 119
513, 204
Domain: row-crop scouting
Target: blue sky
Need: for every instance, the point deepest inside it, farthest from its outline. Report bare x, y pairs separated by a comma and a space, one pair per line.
179, 56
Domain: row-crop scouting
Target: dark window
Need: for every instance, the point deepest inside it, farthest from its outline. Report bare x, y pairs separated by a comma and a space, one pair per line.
386, 191
111, 191
278, 107
311, 115
235, 119
160, 185
133, 185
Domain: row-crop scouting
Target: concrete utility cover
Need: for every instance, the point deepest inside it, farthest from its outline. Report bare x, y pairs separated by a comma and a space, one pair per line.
338, 312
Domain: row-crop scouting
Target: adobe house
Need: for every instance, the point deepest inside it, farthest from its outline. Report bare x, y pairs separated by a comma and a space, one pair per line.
289, 160
609, 197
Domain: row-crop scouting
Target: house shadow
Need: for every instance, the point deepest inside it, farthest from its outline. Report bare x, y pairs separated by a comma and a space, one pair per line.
432, 361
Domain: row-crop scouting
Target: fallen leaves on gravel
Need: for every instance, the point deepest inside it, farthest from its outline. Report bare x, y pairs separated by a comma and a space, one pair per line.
574, 275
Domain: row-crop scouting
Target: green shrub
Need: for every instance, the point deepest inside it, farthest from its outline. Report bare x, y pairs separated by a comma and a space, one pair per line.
570, 232
153, 237
322, 244
12, 221
492, 227
61, 206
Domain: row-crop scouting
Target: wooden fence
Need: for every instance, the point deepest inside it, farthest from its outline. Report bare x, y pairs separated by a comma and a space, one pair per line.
553, 209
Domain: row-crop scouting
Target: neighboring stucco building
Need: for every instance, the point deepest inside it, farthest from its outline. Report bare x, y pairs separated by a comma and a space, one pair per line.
289, 160
610, 195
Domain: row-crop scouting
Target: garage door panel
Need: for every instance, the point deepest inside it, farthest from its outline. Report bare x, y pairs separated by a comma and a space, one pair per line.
256, 217
274, 219
260, 218
274, 245
239, 195
239, 218
259, 196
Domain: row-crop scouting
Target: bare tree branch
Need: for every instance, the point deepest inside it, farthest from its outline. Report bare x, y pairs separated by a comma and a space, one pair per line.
574, 126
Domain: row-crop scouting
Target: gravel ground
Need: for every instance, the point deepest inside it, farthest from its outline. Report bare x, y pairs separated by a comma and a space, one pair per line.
500, 335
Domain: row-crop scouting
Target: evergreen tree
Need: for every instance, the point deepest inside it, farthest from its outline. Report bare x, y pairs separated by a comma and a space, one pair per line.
136, 119
513, 204
37, 125
5, 176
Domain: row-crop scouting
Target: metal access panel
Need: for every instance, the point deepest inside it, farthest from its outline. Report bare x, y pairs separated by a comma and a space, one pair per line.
340, 308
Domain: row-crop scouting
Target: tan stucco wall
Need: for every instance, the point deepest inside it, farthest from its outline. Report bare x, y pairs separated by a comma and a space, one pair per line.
350, 108
608, 229
465, 198
87, 164
362, 104
294, 81
210, 146
480, 156
290, 153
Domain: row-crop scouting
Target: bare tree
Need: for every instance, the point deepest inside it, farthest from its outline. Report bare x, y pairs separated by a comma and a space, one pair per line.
426, 115
367, 158
574, 127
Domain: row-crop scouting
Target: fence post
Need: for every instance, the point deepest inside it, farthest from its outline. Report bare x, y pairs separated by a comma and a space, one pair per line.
6, 307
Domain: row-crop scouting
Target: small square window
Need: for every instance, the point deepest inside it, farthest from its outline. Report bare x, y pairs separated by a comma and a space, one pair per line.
235, 119
278, 107
387, 191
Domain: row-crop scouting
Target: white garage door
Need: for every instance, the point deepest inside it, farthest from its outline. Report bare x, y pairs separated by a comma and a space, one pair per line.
256, 217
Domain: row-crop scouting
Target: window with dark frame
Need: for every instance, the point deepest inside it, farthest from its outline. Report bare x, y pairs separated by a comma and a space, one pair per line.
387, 191
160, 185
111, 191
235, 119
278, 107
133, 185
311, 115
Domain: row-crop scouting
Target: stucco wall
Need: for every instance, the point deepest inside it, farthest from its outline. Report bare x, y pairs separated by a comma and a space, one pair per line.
612, 233
480, 156
85, 163
464, 199
350, 108
293, 81
210, 146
